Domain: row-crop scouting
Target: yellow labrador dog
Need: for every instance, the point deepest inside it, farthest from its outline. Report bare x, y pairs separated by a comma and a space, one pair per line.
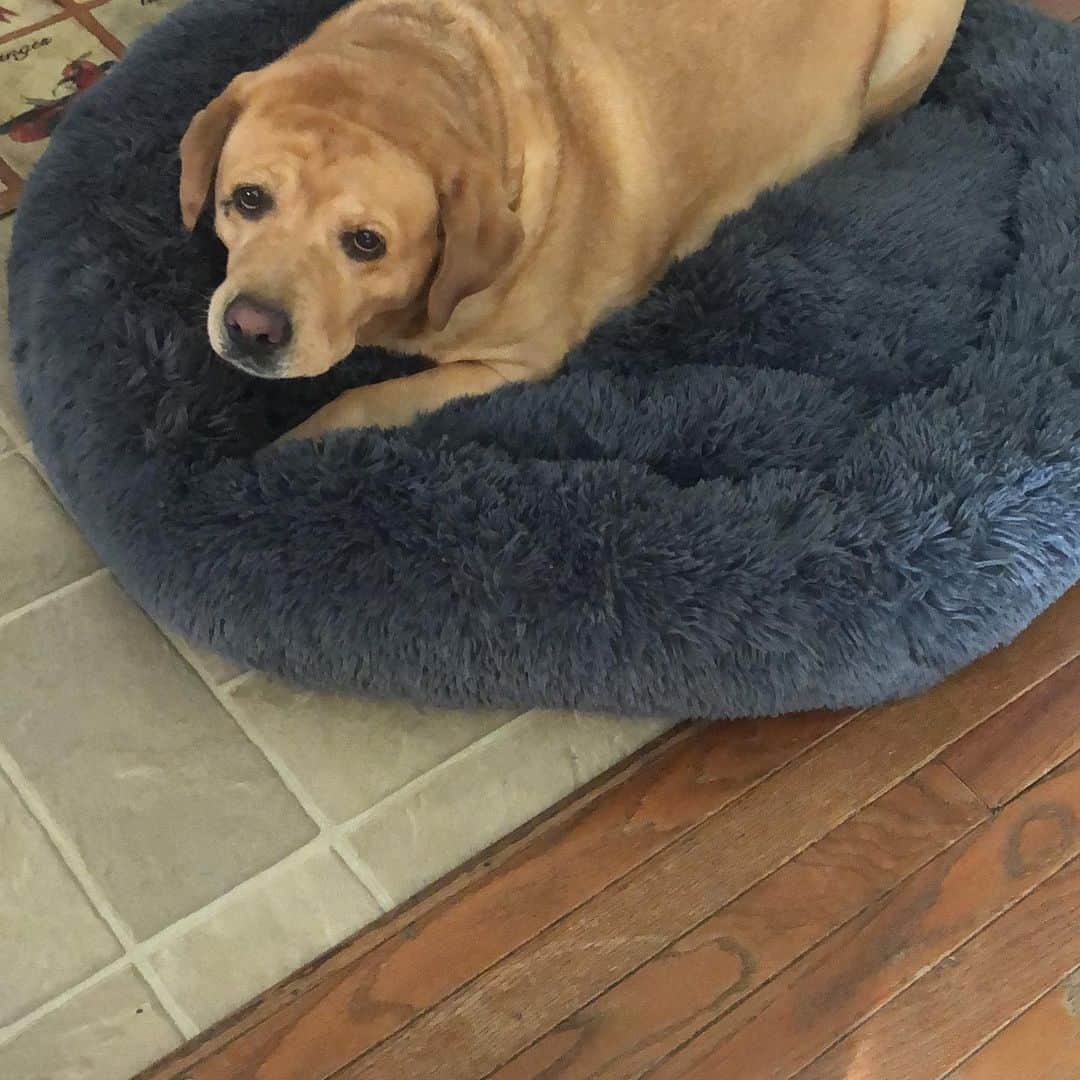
481, 181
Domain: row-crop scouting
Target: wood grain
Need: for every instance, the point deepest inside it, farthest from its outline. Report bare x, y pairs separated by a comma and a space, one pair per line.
483, 1025
661, 1005
1015, 960
385, 987
1042, 1043
784, 1027
1026, 739
433, 953
303, 990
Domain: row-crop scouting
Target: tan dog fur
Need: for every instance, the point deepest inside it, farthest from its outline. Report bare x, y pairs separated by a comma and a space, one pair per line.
533, 165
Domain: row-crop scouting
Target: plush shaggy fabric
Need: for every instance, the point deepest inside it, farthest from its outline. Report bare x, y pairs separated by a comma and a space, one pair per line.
829, 460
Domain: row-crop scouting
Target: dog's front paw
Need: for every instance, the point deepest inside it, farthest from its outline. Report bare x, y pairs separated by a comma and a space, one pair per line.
311, 428
344, 412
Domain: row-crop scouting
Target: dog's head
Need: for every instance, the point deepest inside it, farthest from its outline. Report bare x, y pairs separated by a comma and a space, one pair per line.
337, 231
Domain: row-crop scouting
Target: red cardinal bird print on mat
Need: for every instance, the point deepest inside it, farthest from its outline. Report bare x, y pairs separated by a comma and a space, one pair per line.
39, 121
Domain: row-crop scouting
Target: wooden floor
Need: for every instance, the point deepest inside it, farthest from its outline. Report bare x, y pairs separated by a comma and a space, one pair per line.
888, 895
883, 895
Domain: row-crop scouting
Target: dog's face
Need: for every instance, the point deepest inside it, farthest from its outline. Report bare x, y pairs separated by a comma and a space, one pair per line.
335, 234
328, 232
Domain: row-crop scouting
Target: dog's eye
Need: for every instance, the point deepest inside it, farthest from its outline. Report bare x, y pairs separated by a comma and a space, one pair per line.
364, 245
251, 201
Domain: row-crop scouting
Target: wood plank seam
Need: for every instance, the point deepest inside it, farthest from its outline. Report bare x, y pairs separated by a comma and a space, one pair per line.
747, 987
640, 866
1044, 648
986, 760
954, 1073
1065, 880
980, 799
437, 895
944, 960
985, 828
1012, 903
837, 723
350, 1070
343, 1073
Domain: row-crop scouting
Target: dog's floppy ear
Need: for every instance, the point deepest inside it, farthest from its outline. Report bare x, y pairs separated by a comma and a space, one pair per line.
201, 147
480, 236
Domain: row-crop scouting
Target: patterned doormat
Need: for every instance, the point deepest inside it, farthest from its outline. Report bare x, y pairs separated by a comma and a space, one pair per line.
50, 52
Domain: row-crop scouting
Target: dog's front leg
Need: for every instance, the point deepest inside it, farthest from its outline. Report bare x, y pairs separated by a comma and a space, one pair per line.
396, 402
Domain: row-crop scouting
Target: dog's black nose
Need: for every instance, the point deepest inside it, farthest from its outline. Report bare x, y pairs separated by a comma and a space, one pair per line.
255, 328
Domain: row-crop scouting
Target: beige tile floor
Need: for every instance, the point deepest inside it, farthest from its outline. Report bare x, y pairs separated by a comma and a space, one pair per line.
177, 835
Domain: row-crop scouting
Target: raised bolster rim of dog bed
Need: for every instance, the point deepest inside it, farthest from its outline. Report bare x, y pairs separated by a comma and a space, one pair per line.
828, 461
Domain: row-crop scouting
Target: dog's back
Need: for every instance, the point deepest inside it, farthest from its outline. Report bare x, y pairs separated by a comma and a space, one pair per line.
572, 148
736, 95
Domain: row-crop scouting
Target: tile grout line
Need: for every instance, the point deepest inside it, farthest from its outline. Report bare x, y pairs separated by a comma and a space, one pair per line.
69, 853
187, 653
7, 425
229, 685
326, 839
13, 1030
141, 952
66, 848
203, 914
186, 1026
336, 833
61, 843
463, 754
26, 450
339, 833
357, 866
331, 836
323, 841
285, 774
360, 868
57, 594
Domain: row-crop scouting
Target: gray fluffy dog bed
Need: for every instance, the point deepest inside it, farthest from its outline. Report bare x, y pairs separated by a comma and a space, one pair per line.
827, 461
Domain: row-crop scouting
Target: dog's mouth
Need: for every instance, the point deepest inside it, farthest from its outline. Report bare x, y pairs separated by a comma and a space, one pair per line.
260, 369
265, 362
